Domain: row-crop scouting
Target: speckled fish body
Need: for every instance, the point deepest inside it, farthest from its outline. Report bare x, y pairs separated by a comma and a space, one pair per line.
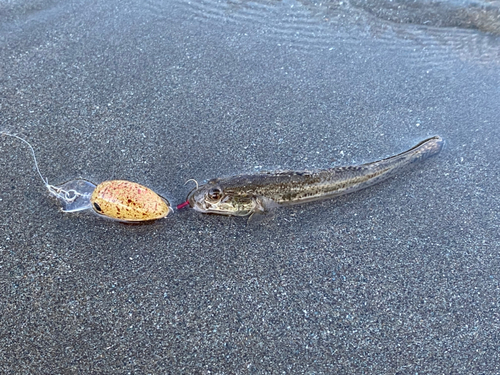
247, 194
128, 202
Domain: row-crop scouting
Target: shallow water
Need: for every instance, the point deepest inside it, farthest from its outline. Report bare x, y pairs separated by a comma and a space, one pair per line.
400, 277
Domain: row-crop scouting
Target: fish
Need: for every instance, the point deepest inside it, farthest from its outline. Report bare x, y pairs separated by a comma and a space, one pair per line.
249, 194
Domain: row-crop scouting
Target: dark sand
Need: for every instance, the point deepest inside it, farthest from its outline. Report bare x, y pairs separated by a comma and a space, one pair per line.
400, 278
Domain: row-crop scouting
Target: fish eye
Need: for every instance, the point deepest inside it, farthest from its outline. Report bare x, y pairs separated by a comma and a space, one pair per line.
215, 193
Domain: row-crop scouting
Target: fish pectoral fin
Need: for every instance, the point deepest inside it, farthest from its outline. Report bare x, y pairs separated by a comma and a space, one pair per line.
264, 204
261, 210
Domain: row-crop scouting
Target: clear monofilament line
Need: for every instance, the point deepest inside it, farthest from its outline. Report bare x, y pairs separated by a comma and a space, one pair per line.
45, 180
68, 196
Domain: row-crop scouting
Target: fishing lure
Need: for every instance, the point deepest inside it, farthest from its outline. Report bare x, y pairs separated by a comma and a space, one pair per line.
120, 200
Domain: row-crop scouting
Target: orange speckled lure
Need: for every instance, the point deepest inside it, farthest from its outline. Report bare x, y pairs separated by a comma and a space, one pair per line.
120, 200
128, 201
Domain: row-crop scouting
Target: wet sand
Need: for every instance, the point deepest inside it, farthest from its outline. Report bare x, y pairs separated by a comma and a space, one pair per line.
400, 278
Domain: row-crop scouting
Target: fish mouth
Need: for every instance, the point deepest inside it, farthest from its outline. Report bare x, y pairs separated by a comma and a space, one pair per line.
190, 199
207, 208
200, 205
196, 204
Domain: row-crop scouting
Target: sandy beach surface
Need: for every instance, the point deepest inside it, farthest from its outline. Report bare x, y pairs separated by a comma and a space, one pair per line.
400, 278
